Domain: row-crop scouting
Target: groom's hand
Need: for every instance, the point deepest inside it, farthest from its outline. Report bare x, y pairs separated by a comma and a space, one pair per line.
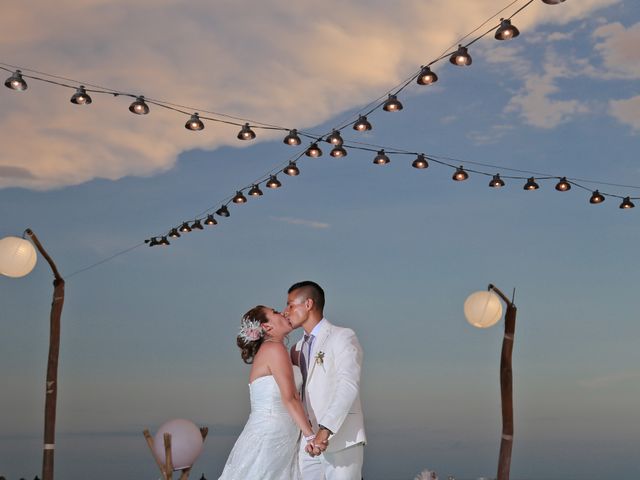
321, 442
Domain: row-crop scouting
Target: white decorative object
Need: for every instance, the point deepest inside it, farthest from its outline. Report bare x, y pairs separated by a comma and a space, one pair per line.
483, 309
186, 443
17, 257
427, 475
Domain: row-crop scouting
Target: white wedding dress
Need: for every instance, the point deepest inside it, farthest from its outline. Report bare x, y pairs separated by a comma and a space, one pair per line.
267, 448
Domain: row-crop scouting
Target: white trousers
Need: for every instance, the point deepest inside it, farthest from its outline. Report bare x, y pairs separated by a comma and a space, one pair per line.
341, 465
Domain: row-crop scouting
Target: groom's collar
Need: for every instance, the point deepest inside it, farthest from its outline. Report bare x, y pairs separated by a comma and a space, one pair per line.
318, 328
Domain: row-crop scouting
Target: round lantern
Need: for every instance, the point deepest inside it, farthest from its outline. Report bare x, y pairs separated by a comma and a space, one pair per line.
483, 309
17, 257
186, 443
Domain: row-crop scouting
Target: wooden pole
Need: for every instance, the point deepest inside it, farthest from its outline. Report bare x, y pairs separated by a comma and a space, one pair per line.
51, 386
506, 387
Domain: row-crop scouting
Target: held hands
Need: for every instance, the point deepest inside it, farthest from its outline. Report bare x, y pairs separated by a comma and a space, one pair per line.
318, 444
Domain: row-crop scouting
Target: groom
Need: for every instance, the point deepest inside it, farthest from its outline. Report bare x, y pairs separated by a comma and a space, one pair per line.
330, 359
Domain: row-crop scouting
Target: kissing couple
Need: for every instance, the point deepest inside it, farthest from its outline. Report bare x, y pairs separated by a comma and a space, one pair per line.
306, 419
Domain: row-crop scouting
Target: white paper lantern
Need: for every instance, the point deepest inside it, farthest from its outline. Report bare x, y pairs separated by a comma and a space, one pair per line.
483, 309
186, 443
17, 257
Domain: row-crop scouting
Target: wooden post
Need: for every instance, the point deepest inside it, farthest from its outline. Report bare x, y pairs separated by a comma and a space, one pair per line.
51, 386
506, 388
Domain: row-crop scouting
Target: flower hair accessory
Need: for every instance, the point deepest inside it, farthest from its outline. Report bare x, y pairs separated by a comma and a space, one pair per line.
250, 330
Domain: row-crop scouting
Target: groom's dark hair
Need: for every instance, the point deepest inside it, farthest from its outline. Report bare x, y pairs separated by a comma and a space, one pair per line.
311, 290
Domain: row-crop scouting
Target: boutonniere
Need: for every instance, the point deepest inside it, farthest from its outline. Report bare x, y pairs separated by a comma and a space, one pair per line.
320, 358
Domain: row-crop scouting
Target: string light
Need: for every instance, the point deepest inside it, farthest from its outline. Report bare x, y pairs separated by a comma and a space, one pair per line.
185, 228
381, 158
506, 31
461, 57
362, 124
531, 184
239, 198
335, 138
273, 182
223, 211
210, 221
246, 133
460, 175
313, 151
196, 225
81, 97
154, 242
496, 181
174, 233
139, 106
194, 123
627, 203
596, 198
16, 82
255, 191
292, 169
292, 138
563, 185
338, 152
420, 162
164, 242
392, 104
426, 77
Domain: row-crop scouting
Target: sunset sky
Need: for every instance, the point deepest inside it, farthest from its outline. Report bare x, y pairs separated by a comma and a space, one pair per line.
149, 335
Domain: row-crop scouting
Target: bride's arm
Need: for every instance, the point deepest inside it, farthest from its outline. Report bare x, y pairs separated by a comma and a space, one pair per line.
281, 369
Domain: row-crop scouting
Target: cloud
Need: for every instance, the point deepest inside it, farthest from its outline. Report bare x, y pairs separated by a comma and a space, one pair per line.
492, 135
627, 111
618, 47
300, 221
286, 64
9, 171
606, 381
536, 102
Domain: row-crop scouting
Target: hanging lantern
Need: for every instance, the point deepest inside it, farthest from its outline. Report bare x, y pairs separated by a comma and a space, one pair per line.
506, 31
531, 184
381, 158
16, 82
292, 138
335, 138
420, 162
139, 106
194, 123
426, 77
496, 181
483, 309
17, 257
81, 97
461, 57
392, 104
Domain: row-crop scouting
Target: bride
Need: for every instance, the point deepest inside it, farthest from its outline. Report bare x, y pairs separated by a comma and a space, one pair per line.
267, 448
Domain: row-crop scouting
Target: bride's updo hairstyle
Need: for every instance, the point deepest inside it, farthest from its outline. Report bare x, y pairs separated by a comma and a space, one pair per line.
250, 337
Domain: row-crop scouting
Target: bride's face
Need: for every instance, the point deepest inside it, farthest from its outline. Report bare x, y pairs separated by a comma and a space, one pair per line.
280, 326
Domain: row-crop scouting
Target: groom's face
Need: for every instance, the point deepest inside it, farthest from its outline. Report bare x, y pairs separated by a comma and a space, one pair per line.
296, 311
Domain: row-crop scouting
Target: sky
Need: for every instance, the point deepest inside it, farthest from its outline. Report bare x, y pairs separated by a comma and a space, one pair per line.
149, 335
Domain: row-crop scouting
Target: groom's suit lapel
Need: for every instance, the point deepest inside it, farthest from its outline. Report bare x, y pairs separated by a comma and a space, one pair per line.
317, 347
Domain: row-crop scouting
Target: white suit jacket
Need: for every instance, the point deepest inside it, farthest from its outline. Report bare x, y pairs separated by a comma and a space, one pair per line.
332, 392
